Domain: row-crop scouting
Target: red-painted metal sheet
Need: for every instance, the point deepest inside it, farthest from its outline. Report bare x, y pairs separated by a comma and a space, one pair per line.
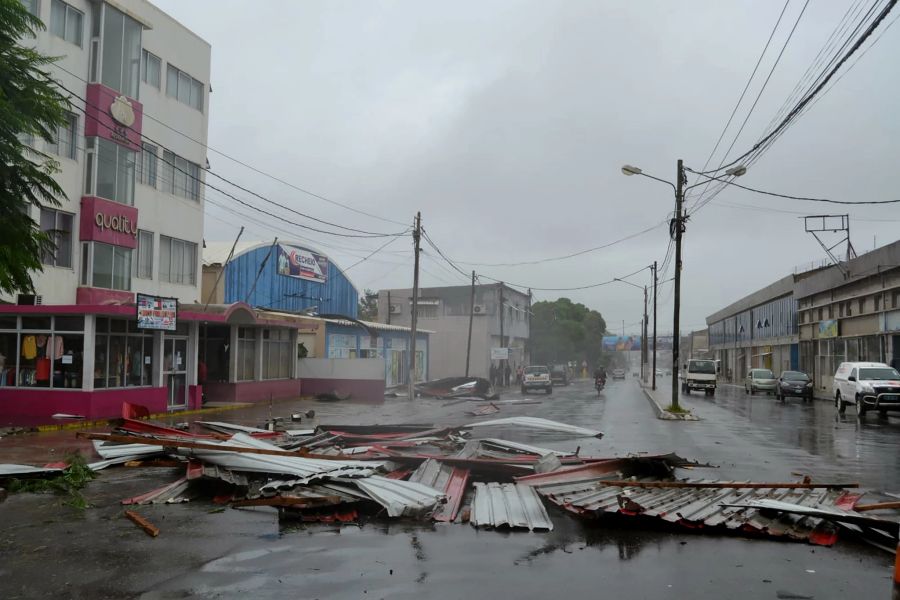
455, 490
154, 493
147, 427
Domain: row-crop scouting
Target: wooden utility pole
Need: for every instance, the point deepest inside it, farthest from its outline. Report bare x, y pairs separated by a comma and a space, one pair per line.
471, 317
678, 225
411, 369
654, 325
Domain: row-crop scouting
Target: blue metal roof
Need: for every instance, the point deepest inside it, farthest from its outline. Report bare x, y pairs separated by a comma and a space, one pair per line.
336, 295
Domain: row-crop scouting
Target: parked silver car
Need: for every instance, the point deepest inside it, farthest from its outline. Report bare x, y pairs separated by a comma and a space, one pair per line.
760, 380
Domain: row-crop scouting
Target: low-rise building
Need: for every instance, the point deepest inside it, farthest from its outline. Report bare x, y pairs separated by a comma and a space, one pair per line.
500, 319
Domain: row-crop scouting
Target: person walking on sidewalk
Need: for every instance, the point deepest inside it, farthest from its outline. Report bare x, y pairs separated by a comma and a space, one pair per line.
493, 374
506, 374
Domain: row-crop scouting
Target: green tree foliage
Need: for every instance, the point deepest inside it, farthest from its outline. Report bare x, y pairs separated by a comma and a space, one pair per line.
30, 106
562, 331
368, 306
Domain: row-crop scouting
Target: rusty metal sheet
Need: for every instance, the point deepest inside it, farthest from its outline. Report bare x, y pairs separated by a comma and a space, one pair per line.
451, 480
508, 504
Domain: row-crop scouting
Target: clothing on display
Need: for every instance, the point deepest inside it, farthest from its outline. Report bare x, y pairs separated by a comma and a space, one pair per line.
29, 347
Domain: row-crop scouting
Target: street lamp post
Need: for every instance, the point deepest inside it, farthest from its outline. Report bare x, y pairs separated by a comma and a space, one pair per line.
643, 325
677, 228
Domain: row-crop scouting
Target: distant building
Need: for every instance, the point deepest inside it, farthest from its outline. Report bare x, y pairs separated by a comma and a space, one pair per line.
446, 311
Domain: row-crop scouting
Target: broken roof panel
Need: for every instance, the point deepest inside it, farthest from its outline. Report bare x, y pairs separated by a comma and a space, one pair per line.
451, 480
400, 498
509, 504
538, 423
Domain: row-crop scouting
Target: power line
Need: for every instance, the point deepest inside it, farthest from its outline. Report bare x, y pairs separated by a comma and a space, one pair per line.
804, 198
570, 289
248, 166
362, 234
818, 87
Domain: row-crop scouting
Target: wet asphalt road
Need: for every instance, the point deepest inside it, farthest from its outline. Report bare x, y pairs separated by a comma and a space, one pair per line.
52, 551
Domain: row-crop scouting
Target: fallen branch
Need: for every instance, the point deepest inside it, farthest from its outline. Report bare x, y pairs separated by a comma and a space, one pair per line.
148, 527
725, 484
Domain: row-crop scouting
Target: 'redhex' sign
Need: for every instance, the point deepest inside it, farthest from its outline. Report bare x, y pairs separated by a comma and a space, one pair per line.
294, 261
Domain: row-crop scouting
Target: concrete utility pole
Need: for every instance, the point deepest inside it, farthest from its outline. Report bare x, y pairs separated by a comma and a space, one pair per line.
389, 308
502, 345
471, 318
654, 325
678, 224
644, 338
411, 371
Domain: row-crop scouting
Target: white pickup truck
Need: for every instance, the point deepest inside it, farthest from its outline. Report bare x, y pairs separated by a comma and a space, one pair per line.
699, 374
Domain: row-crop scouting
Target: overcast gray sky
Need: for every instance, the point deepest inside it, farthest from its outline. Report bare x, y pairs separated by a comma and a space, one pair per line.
506, 124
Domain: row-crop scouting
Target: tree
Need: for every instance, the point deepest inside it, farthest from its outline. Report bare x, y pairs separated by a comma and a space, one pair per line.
368, 306
562, 331
31, 106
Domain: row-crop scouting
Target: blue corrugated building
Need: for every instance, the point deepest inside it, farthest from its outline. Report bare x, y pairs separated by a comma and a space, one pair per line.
294, 278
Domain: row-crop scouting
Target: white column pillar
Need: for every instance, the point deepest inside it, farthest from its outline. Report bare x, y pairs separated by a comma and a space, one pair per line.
87, 356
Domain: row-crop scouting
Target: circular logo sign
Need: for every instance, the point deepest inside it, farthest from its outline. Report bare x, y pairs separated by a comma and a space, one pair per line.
121, 111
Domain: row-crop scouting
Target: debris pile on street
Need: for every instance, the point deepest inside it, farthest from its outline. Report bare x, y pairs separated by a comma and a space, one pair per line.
343, 473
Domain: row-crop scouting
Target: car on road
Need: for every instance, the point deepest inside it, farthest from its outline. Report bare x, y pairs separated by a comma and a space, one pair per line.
760, 380
659, 372
618, 374
794, 383
868, 385
559, 374
536, 377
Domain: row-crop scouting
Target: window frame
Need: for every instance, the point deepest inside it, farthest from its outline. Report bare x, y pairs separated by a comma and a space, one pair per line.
72, 127
141, 253
189, 96
148, 166
55, 235
60, 5
146, 57
174, 272
180, 177
90, 257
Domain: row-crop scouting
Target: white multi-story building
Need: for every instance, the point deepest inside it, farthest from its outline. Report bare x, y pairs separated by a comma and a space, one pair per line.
132, 160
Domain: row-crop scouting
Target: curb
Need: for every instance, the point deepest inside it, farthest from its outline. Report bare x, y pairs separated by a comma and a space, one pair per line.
665, 415
84, 424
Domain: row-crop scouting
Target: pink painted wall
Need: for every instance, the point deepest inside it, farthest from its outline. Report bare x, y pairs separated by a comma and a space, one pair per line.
108, 222
363, 390
99, 122
100, 296
252, 391
24, 407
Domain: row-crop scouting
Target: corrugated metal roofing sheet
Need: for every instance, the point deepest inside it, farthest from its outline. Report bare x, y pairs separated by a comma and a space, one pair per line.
448, 479
538, 423
700, 507
400, 498
510, 504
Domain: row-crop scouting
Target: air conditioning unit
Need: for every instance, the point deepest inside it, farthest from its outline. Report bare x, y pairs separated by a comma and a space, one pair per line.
29, 300
479, 309
396, 309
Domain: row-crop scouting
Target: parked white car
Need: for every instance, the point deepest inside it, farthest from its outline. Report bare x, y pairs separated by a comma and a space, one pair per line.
537, 376
760, 380
868, 385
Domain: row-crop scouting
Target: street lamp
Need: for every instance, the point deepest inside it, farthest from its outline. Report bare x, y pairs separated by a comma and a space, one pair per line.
678, 227
643, 322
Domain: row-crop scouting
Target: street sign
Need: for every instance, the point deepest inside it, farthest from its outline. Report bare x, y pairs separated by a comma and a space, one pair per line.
499, 353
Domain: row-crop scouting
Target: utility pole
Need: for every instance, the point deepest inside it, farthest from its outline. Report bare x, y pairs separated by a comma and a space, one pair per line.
654, 326
389, 308
471, 318
678, 225
644, 339
502, 345
417, 234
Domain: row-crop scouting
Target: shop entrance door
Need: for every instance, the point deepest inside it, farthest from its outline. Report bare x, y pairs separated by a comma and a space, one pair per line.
175, 371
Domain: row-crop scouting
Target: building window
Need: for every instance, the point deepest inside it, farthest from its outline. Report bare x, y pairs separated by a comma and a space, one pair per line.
849, 308
831, 311
64, 144
896, 298
111, 267
123, 354
877, 300
32, 6
41, 351
115, 171
143, 255
177, 261
429, 311
820, 313
180, 176
58, 225
277, 353
66, 22
151, 69
246, 368
147, 165
861, 305
121, 66
184, 88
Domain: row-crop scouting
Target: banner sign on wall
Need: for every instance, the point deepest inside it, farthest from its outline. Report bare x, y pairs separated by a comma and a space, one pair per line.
294, 261
499, 353
828, 329
619, 343
154, 312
